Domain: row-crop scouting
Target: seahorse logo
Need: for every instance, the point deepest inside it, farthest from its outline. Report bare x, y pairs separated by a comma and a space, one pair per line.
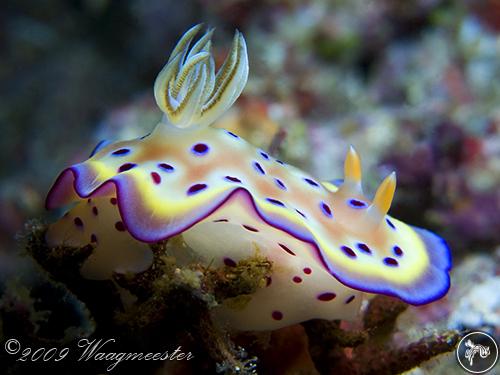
477, 352
484, 351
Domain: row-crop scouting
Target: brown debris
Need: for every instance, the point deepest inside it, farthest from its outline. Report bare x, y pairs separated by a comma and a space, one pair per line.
371, 351
62, 260
173, 305
326, 346
396, 361
380, 317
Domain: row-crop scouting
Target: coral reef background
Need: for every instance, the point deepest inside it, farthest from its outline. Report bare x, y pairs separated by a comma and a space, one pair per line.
412, 84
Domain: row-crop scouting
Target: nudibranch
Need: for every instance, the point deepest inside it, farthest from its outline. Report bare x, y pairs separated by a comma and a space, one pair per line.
329, 244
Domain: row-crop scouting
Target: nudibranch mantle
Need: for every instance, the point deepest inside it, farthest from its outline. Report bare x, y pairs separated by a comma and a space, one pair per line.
329, 243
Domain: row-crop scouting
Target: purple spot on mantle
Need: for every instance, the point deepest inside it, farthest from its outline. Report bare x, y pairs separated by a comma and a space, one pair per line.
221, 221
277, 315
355, 203
122, 151
229, 262
349, 300
280, 184
301, 213
286, 249
126, 167
232, 134
196, 188
364, 248
326, 209
391, 262
95, 211
93, 238
297, 279
119, 226
156, 178
307, 271
232, 179
348, 251
326, 296
78, 222
276, 202
269, 280
249, 228
279, 162
200, 149
390, 224
397, 250
165, 167
258, 168
311, 182
264, 155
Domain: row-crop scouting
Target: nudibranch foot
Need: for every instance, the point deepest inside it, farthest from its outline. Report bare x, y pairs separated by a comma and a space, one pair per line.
328, 242
96, 221
235, 230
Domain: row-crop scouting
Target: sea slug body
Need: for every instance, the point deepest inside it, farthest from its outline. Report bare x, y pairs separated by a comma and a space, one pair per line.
330, 245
